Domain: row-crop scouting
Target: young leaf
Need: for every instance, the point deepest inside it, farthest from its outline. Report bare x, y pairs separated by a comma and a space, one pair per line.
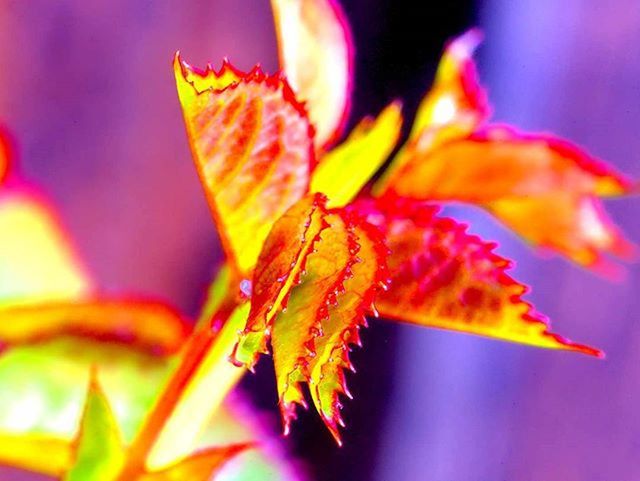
316, 53
253, 148
295, 330
99, 453
279, 268
301, 304
543, 187
454, 107
343, 172
148, 324
456, 93
443, 277
341, 327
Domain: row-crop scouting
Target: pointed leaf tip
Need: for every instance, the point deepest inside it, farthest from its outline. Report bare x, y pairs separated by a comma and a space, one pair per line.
253, 148
443, 277
343, 172
316, 276
99, 452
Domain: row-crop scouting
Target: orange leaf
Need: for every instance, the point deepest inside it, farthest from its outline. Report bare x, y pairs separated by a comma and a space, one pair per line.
542, 187
574, 226
253, 148
443, 277
200, 466
279, 268
455, 106
316, 53
296, 329
148, 324
312, 313
456, 94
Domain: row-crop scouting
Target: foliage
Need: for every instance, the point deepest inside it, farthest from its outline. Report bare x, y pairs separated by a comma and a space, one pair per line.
312, 250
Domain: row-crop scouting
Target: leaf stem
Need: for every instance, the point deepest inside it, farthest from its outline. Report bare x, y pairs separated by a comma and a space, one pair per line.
195, 390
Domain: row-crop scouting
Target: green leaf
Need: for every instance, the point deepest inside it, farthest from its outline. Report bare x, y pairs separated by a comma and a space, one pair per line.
99, 451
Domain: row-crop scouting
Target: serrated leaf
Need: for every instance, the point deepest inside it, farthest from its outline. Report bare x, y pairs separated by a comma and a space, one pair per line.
343, 172
307, 313
443, 277
99, 453
253, 148
316, 53
149, 325
341, 328
544, 188
279, 268
295, 330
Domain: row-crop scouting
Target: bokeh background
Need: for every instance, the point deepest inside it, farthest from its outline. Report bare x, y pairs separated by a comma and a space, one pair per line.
87, 90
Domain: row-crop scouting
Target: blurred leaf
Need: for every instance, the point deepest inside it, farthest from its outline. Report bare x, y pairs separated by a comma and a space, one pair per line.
44, 384
37, 261
316, 53
25, 451
456, 94
200, 466
542, 187
147, 324
99, 453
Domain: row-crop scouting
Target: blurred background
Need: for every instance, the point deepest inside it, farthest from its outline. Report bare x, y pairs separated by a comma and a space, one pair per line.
87, 90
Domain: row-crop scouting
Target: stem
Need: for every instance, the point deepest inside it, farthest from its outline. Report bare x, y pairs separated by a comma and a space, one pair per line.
195, 390
214, 378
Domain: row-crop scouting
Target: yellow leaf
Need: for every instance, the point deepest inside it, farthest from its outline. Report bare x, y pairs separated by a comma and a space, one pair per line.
37, 262
253, 147
344, 171
37, 453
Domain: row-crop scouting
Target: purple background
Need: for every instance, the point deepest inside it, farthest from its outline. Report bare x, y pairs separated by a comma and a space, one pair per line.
88, 91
